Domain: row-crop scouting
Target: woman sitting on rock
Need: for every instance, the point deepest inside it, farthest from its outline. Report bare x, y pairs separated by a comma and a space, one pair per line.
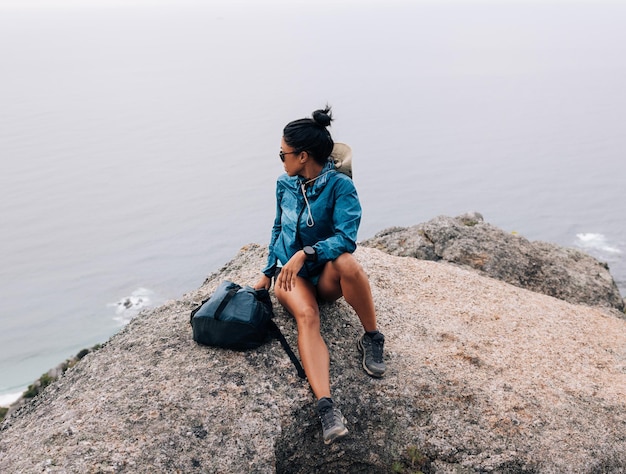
310, 255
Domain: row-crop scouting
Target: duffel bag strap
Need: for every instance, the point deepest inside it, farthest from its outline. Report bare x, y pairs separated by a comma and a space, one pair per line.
196, 309
229, 296
283, 342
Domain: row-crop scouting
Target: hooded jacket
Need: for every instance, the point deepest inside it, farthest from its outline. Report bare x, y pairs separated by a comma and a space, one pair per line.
325, 214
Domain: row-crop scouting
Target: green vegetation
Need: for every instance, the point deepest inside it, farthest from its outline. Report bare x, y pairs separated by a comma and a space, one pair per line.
34, 389
82, 354
46, 379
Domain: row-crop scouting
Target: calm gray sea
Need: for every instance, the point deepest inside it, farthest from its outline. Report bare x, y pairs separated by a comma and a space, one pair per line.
138, 146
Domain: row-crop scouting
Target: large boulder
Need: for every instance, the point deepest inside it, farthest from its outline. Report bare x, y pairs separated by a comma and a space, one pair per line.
482, 377
467, 240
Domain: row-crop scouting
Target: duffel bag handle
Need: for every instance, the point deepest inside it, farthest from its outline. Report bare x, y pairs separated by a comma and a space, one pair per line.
234, 288
229, 296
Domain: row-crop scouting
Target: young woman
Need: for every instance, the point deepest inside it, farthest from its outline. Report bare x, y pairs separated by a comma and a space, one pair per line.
310, 255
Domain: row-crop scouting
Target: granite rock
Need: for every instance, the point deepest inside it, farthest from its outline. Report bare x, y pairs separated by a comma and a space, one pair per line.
483, 376
565, 273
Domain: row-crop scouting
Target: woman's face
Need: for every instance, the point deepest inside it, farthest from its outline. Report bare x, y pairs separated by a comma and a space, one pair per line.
291, 160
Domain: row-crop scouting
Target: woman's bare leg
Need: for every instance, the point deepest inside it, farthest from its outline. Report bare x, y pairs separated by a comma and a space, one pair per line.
346, 277
301, 302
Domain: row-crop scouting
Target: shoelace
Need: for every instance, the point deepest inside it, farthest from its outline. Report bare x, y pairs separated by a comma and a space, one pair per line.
328, 417
377, 349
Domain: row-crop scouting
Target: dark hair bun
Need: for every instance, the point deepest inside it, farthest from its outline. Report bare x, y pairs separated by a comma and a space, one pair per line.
323, 116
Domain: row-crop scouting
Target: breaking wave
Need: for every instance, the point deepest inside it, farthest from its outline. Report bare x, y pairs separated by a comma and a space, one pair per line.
593, 241
129, 306
7, 399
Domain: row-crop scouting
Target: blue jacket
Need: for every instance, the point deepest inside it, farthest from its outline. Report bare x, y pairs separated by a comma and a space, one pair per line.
328, 219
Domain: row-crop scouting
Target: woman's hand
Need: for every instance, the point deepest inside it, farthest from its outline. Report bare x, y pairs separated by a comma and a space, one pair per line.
287, 277
264, 282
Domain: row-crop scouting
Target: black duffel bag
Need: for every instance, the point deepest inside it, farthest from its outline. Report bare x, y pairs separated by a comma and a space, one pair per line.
234, 317
238, 317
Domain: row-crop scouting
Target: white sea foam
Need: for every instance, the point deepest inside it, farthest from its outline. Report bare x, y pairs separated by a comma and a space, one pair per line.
128, 307
7, 399
594, 241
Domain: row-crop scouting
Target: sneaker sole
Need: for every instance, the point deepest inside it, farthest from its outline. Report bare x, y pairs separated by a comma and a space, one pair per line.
337, 435
365, 368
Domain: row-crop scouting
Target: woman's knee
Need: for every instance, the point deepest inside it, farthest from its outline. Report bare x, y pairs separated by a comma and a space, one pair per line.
346, 265
303, 307
307, 318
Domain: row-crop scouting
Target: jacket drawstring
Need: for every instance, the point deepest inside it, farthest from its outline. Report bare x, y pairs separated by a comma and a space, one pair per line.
309, 220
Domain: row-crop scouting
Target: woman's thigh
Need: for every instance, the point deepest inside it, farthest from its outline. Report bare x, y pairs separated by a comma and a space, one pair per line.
329, 285
300, 300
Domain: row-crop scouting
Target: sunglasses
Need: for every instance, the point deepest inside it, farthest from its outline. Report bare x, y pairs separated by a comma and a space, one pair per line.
282, 154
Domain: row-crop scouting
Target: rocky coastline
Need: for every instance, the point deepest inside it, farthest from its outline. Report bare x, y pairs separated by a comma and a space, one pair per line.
468, 241
488, 372
46, 379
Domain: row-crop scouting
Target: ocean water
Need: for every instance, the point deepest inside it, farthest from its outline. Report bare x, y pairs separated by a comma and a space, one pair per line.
139, 144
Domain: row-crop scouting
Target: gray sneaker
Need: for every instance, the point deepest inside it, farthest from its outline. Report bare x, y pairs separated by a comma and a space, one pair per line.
372, 350
333, 422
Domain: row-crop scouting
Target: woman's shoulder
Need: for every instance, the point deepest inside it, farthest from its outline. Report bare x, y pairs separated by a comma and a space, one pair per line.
338, 175
285, 179
341, 180
286, 182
